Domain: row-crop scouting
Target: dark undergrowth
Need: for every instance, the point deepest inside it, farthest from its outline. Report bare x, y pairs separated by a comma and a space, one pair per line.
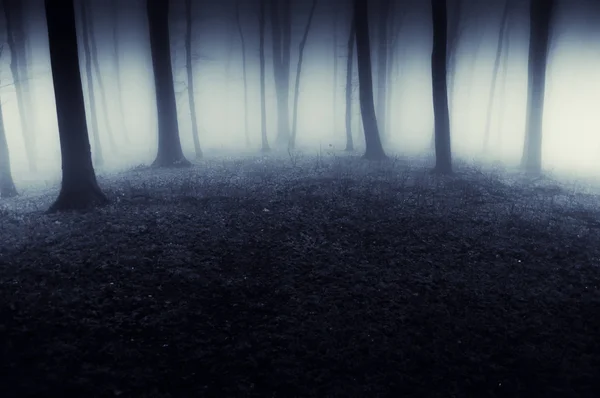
304, 277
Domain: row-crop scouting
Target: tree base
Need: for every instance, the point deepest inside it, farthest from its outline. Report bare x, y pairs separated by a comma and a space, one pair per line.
82, 198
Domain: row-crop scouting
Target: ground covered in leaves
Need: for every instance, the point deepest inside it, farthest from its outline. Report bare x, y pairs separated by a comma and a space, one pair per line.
304, 277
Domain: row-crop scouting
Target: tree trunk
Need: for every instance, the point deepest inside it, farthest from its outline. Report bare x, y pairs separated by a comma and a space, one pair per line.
281, 38
98, 153
502, 104
79, 188
7, 185
16, 59
443, 154
335, 70
85, 8
263, 99
382, 55
243, 42
349, 75
490, 104
117, 65
541, 13
292, 142
189, 67
374, 149
169, 152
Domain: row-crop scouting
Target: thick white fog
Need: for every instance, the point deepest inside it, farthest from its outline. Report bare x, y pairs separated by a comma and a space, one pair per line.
571, 136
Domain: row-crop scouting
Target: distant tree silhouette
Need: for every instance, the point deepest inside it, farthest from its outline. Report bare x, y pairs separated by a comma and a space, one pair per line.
79, 188
261, 54
114, 13
169, 152
540, 20
189, 68
244, 70
443, 153
385, 7
374, 149
281, 38
7, 185
349, 75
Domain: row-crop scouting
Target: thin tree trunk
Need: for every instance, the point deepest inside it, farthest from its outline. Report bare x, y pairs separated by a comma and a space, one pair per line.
335, 69
349, 75
15, 68
189, 67
79, 188
502, 105
374, 149
7, 185
85, 8
169, 152
490, 105
281, 38
117, 65
243, 42
443, 154
541, 13
292, 142
382, 60
98, 153
263, 98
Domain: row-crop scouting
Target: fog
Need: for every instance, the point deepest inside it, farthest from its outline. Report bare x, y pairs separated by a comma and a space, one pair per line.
571, 139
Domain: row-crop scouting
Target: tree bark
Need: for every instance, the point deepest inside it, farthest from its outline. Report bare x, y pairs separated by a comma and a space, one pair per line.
541, 13
169, 152
79, 188
349, 75
374, 149
244, 72
98, 153
189, 67
490, 104
292, 142
263, 99
443, 154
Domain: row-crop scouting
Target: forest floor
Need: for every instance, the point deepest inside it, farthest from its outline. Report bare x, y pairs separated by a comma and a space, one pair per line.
304, 277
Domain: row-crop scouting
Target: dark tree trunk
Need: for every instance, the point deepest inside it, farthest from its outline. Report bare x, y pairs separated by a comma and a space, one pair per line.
245, 75
79, 188
7, 185
117, 65
169, 152
263, 99
374, 149
292, 143
382, 63
98, 153
189, 67
281, 38
349, 75
85, 8
540, 18
443, 153
15, 36
490, 104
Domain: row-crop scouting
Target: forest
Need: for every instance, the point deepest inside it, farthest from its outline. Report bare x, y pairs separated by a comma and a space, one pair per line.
299, 198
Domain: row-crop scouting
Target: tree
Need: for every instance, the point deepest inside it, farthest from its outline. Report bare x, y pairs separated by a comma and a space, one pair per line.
382, 57
243, 42
540, 19
263, 98
114, 9
374, 149
169, 145
7, 185
349, 73
281, 37
87, 54
79, 188
189, 67
335, 65
292, 142
16, 44
490, 105
443, 154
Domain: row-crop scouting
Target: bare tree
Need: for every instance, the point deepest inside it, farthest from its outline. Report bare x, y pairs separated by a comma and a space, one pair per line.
7, 185
349, 73
79, 188
382, 63
541, 13
263, 100
98, 153
292, 142
189, 68
490, 105
169, 145
243, 42
374, 149
443, 154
